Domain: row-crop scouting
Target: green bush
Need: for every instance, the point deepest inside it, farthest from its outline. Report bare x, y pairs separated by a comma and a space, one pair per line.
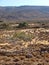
22, 25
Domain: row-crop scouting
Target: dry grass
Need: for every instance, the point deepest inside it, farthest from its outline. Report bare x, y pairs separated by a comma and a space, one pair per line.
14, 50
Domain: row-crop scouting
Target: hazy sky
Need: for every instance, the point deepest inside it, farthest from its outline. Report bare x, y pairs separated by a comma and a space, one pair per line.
24, 2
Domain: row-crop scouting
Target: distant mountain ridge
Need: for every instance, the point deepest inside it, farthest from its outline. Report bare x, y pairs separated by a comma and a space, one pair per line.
24, 13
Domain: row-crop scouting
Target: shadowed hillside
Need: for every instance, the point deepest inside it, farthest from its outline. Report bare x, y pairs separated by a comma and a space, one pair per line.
24, 13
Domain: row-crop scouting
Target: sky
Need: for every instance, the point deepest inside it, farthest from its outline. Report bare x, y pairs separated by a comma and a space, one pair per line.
24, 2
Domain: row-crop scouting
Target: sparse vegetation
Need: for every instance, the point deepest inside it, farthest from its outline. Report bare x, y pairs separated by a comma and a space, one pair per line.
3, 26
23, 36
23, 46
22, 25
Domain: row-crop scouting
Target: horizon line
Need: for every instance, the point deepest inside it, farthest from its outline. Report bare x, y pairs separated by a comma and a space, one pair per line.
21, 5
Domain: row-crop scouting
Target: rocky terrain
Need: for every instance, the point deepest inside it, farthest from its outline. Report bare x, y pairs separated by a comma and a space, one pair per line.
24, 47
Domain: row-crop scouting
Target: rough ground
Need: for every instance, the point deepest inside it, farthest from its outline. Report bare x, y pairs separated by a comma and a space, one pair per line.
15, 51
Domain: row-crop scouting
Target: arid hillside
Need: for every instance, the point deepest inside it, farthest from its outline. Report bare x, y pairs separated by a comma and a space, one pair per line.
24, 13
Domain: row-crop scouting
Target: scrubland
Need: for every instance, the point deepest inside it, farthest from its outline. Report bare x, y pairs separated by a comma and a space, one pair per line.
24, 47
